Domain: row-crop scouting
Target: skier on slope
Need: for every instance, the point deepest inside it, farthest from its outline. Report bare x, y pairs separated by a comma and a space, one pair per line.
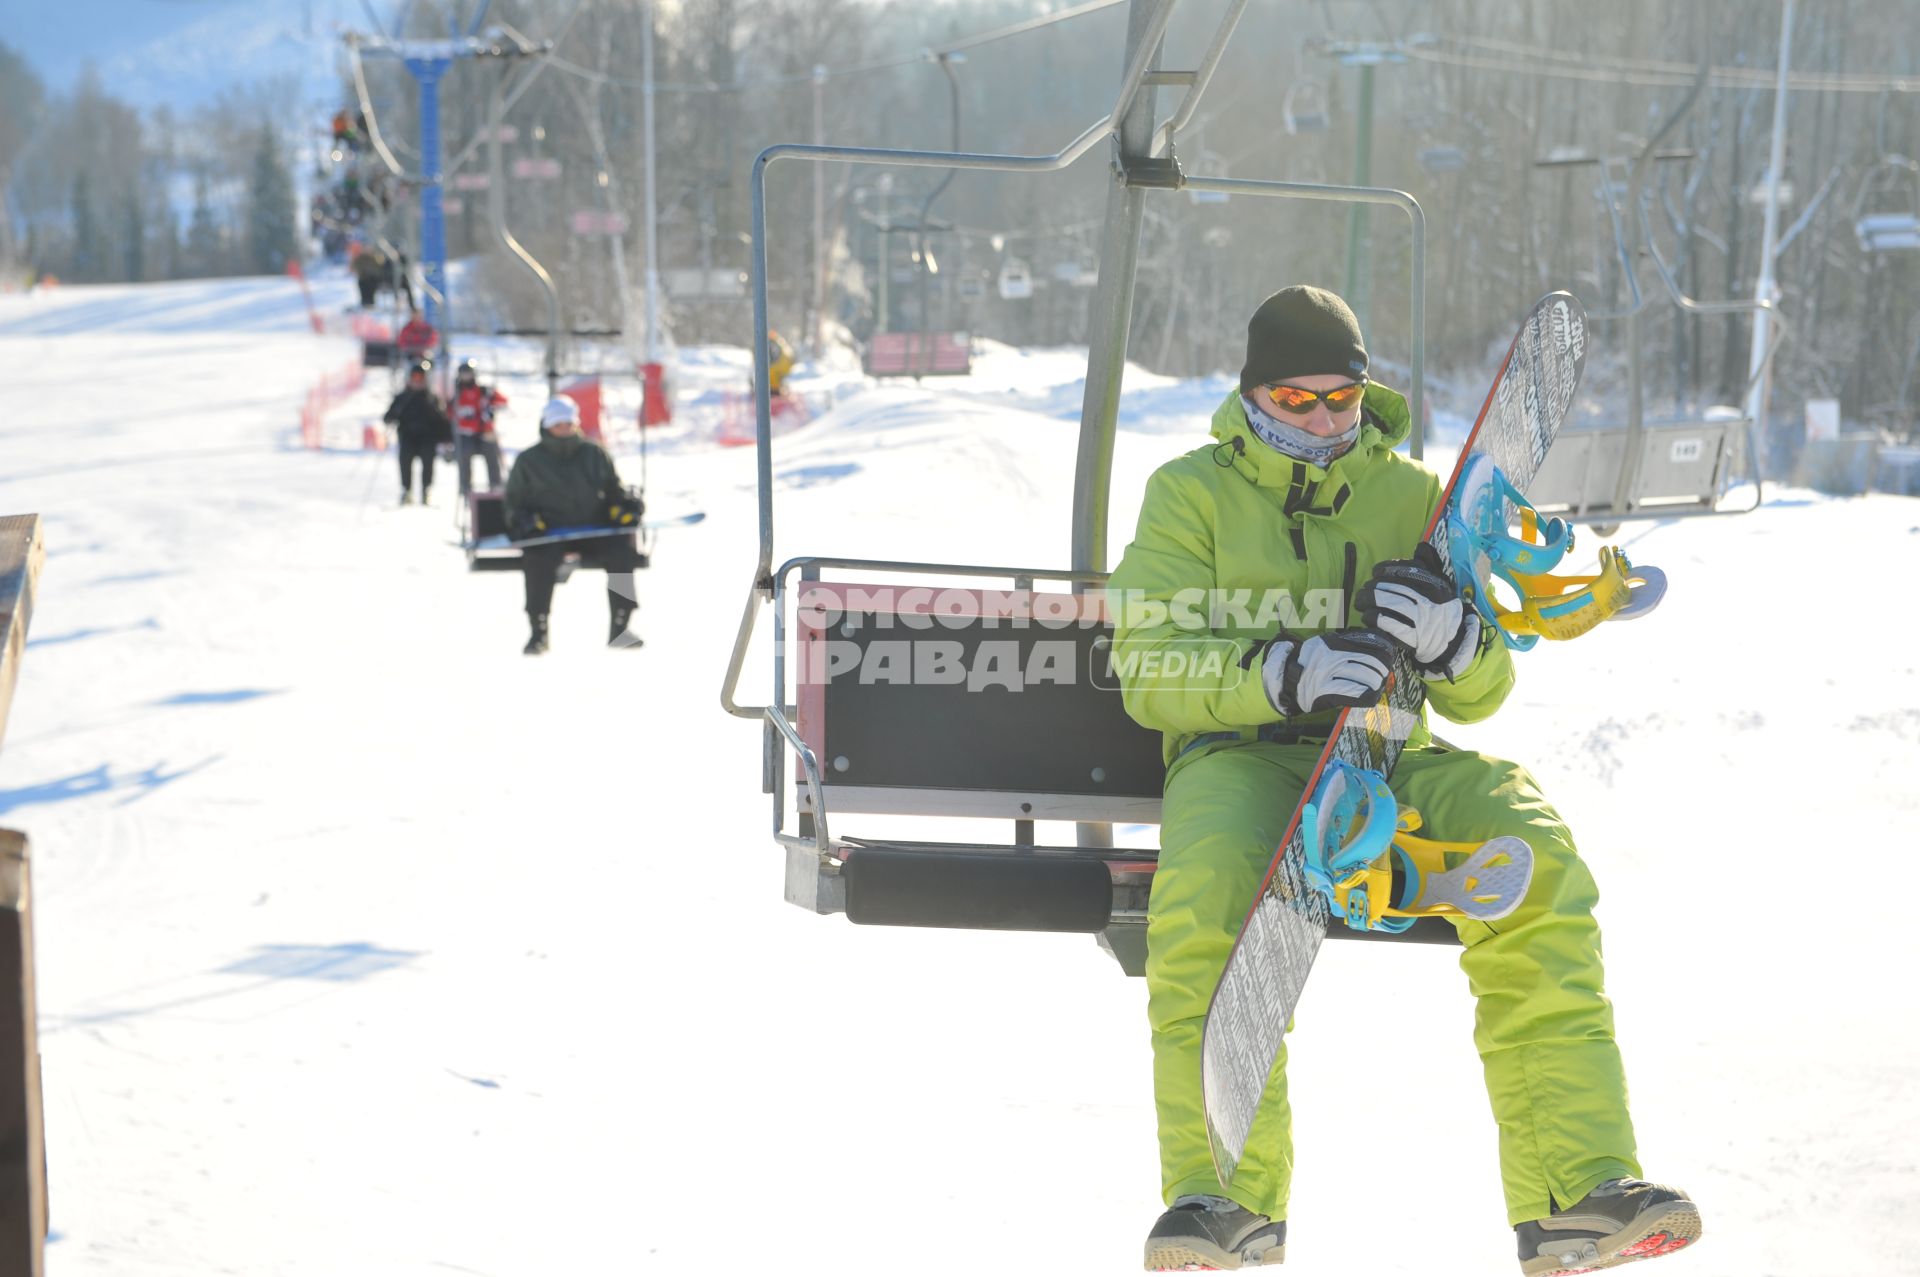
473, 409
566, 481
1303, 494
418, 338
421, 422
369, 272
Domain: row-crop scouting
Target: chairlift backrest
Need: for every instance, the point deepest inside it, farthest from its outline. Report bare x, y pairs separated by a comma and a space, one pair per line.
1025, 722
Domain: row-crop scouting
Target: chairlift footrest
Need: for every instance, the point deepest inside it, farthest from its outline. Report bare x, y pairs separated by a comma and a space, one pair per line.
983, 891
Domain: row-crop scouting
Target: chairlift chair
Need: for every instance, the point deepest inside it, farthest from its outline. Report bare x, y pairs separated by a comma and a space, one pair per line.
1305, 108
1607, 473
1016, 280
1889, 230
1068, 752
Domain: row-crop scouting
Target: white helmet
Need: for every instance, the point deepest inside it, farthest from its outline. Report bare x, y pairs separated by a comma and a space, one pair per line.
560, 408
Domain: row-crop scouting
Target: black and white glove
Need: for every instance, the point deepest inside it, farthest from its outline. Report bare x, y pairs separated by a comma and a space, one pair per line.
1415, 602
1341, 669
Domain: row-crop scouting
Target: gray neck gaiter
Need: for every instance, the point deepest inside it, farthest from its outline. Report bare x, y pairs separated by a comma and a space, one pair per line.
1292, 441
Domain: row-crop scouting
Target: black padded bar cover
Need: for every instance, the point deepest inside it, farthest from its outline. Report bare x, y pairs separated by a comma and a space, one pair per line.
1067, 737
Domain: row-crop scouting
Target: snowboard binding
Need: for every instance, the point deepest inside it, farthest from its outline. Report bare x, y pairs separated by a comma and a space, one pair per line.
1482, 547
1363, 857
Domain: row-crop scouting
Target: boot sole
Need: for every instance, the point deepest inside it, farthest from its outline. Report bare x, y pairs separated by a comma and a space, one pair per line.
1662, 1231
1191, 1255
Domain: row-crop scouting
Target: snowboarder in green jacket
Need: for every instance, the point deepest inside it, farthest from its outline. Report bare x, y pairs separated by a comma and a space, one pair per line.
1305, 521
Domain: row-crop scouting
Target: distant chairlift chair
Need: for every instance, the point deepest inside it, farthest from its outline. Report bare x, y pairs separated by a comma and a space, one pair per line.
1670, 468
1304, 109
1016, 280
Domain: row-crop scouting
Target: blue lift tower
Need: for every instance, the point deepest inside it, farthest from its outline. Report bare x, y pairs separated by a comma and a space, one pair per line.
428, 62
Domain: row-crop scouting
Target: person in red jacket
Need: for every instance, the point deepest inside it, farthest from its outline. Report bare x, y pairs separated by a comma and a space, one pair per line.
418, 338
473, 409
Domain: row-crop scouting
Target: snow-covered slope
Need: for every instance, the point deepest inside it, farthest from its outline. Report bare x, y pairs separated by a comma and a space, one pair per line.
369, 946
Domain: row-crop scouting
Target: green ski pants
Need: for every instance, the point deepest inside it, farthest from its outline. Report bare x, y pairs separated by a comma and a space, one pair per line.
1544, 1027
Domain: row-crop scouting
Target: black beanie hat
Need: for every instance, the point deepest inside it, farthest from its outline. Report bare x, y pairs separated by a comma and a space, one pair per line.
1302, 331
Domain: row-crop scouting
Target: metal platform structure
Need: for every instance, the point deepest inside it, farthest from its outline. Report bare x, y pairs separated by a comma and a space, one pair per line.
23, 1147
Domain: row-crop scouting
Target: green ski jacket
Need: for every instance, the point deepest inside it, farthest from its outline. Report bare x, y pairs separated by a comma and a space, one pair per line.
1236, 541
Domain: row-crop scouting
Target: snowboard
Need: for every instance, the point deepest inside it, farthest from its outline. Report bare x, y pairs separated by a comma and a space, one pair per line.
1268, 966
502, 542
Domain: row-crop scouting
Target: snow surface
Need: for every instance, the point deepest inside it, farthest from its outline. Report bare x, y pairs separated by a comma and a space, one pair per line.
368, 946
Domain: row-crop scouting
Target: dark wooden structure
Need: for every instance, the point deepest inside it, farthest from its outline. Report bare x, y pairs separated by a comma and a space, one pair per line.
23, 1157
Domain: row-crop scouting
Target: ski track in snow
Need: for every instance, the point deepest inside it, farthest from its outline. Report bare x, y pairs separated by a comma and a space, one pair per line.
368, 946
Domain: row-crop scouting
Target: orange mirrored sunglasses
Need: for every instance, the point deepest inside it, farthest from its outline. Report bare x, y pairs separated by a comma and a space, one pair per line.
1297, 402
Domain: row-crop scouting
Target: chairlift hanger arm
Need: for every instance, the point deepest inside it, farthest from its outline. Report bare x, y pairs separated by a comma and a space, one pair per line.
1637, 196
1622, 250
1416, 397
763, 408
1144, 54
1801, 222
366, 110
1133, 82
1201, 78
1692, 306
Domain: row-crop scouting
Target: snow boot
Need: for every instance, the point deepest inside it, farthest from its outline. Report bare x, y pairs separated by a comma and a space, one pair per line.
406, 496
617, 632
1617, 1223
426, 496
538, 643
1203, 1233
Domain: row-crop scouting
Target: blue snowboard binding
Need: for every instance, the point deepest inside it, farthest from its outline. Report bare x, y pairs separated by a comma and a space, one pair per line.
1481, 546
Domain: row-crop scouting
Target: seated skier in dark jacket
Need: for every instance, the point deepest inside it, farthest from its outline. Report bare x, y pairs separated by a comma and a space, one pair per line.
422, 423
566, 483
